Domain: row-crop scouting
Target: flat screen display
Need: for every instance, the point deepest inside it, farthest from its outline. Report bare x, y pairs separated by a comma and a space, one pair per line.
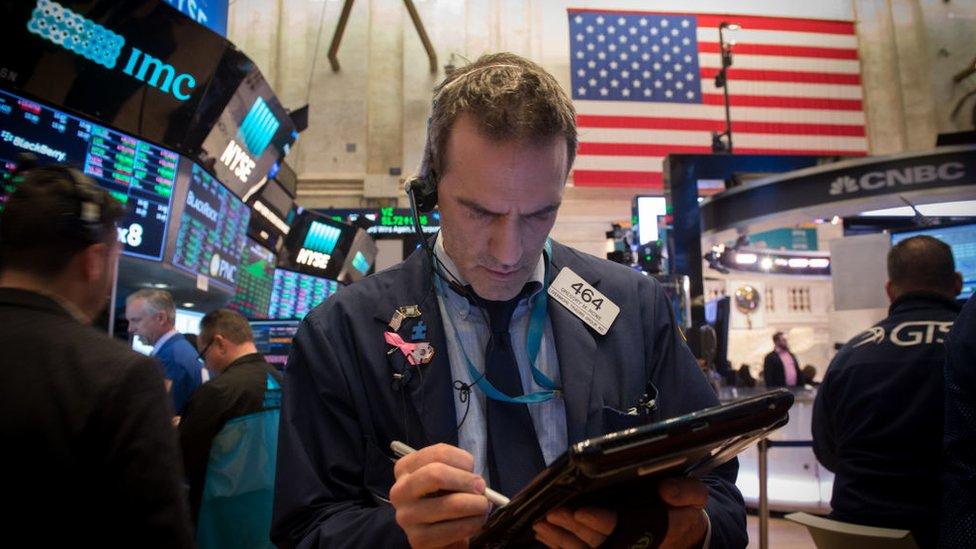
212, 230
273, 339
255, 279
140, 175
649, 208
317, 245
252, 133
962, 240
295, 294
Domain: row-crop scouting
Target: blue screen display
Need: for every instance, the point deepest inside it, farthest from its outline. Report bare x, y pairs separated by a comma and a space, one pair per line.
962, 240
139, 174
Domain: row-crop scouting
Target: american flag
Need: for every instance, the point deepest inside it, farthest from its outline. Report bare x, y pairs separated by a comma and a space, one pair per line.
644, 86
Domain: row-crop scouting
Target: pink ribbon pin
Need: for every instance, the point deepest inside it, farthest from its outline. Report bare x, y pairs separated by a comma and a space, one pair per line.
416, 353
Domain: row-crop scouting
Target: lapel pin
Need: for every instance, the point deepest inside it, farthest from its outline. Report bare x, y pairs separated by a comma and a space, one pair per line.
410, 311
397, 320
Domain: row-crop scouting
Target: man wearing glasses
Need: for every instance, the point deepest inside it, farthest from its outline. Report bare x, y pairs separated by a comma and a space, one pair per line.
239, 386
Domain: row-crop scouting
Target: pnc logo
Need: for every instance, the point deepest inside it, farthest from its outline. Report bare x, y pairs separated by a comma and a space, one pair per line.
912, 175
221, 268
71, 31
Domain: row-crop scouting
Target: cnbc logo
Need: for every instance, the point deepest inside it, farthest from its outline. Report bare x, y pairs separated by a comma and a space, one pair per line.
320, 241
71, 31
256, 131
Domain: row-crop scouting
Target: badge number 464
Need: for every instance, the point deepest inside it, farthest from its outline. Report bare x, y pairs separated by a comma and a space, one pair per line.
584, 301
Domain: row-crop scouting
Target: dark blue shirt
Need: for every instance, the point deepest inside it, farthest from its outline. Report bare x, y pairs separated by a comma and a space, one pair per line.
959, 481
877, 419
181, 365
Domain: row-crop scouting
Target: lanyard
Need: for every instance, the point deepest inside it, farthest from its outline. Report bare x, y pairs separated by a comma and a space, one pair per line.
533, 343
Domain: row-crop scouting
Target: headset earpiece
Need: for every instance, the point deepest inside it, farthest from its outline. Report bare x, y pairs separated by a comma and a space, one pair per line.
424, 191
83, 219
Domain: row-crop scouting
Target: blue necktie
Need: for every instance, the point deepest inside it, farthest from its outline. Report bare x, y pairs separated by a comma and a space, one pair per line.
514, 456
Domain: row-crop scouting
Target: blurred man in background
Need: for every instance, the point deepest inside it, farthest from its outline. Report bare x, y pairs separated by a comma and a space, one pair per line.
152, 317
89, 452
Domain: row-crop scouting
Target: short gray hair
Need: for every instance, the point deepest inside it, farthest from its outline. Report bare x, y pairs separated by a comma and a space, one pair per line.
156, 301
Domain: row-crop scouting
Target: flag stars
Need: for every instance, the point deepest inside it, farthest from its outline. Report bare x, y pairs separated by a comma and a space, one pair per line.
601, 55
579, 54
611, 29
690, 94
599, 20
685, 23
579, 37
593, 82
679, 85
665, 40
600, 38
590, 47
633, 30
589, 29
636, 83
678, 67
646, 56
666, 57
675, 32
658, 83
655, 48
643, 21
622, 39
613, 65
581, 90
581, 73
578, 19
689, 77
625, 74
612, 47
664, 22
614, 83
643, 39
591, 64
625, 92
668, 75
669, 94
635, 65
657, 66
621, 21
603, 73
686, 41
633, 48
646, 74
687, 59
676, 49
653, 31
604, 92
647, 92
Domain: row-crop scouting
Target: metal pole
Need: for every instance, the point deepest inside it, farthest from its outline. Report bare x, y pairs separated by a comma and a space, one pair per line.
763, 447
723, 47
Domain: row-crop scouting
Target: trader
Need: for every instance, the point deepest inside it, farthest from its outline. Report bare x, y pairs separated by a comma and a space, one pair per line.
877, 419
89, 453
444, 350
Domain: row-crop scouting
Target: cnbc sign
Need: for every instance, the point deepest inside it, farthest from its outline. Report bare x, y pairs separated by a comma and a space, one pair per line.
253, 137
69, 30
320, 242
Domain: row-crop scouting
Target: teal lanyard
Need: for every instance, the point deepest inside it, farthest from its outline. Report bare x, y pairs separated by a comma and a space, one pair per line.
533, 342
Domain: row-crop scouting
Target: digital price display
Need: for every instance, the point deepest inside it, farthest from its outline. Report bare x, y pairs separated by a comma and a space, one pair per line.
255, 278
138, 174
212, 230
295, 294
273, 339
387, 222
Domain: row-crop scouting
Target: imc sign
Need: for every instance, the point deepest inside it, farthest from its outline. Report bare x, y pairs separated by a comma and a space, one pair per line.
139, 66
54, 22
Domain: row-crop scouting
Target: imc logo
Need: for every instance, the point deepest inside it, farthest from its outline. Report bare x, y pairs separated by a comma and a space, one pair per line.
71, 31
320, 241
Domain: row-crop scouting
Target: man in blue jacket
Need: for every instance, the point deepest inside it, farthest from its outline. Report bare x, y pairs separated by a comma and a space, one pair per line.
152, 317
877, 419
460, 351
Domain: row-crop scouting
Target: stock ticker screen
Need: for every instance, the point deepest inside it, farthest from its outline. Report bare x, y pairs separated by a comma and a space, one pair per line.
138, 174
295, 294
962, 240
255, 278
273, 339
212, 230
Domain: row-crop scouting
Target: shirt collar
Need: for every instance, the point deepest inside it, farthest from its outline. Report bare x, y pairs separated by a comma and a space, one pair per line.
464, 307
162, 340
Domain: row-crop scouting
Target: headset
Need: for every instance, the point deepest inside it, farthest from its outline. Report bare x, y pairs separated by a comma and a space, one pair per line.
83, 221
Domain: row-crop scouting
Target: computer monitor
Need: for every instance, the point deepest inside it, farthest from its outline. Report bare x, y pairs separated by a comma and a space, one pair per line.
255, 279
273, 339
294, 294
962, 240
648, 209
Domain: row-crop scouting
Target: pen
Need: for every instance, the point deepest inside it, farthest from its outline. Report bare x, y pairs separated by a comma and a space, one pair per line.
401, 449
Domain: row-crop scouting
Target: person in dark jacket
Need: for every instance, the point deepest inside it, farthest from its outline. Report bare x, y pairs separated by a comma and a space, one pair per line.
780, 367
90, 456
238, 387
959, 440
878, 415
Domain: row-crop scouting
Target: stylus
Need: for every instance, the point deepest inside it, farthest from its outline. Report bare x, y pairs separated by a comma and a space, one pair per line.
401, 449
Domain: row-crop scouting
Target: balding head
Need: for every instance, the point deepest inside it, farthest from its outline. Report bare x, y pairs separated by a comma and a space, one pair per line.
922, 264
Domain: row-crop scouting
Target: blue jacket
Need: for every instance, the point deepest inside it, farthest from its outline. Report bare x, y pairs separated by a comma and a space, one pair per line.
342, 406
877, 419
181, 365
959, 479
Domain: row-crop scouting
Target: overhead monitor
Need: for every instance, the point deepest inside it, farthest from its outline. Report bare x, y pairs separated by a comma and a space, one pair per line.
649, 208
962, 240
255, 279
139, 174
136, 65
359, 258
273, 339
295, 294
212, 230
252, 133
318, 245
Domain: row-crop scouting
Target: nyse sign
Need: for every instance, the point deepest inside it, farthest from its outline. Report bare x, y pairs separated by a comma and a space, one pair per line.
311, 258
237, 161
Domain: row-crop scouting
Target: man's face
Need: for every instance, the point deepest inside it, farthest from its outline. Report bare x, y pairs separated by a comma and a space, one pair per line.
143, 324
101, 278
498, 202
782, 343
